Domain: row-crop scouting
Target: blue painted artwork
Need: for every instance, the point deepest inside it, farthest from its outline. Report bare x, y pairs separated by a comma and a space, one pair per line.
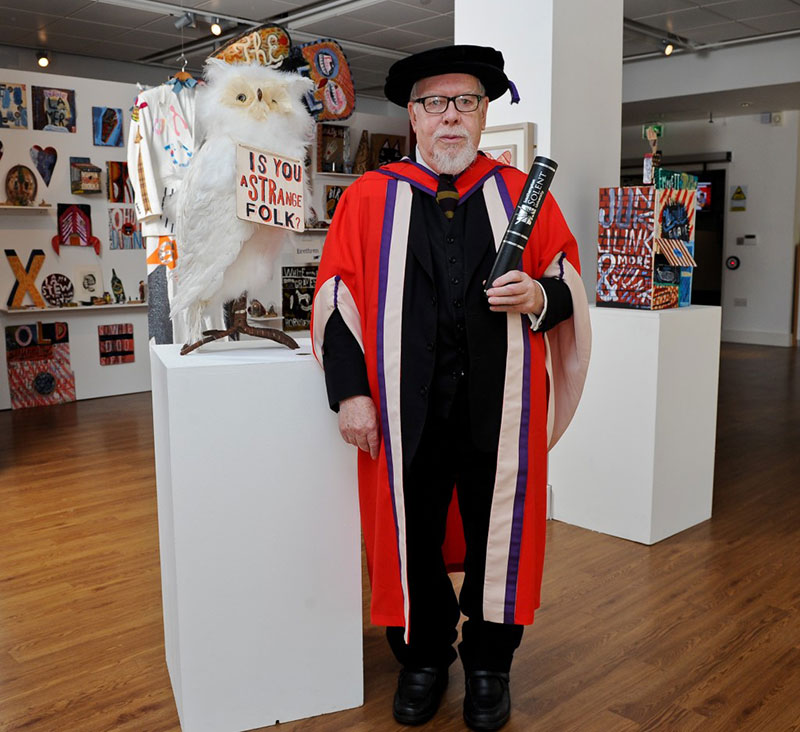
107, 126
13, 109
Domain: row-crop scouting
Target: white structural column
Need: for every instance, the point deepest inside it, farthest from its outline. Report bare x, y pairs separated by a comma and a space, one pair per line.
565, 56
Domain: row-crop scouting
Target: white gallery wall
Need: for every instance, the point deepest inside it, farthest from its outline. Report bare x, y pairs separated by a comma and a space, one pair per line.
766, 162
24, 231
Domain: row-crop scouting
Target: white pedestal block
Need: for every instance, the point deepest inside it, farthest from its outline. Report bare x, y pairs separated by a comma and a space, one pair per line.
638, 459
259, 537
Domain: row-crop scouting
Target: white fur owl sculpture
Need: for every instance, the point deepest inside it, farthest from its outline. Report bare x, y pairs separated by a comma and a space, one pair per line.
219, 255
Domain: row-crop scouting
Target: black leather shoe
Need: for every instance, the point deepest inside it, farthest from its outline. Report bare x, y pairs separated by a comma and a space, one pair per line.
418, 694
487, 703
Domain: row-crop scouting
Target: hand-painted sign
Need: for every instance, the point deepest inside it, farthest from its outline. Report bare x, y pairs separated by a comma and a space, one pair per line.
25, 278
269, 189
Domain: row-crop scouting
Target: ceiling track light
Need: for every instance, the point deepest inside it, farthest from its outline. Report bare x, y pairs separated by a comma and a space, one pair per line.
667, 47
43, 59
216, 27
187, 20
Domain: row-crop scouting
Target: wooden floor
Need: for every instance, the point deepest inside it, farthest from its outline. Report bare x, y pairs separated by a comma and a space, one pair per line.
700, 632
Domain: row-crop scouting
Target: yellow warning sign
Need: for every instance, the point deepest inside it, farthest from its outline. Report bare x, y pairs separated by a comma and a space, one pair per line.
738, 198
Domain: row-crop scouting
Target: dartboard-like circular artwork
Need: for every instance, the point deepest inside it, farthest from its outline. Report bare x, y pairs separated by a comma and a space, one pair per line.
44, 383
57, 289
21, 186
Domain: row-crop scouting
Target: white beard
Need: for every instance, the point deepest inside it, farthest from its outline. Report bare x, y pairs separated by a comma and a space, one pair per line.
454, 158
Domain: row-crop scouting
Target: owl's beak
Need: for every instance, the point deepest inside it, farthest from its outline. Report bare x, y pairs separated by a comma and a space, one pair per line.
259, 94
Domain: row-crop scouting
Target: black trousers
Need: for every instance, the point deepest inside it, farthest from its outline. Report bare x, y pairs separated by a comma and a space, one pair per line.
446, 457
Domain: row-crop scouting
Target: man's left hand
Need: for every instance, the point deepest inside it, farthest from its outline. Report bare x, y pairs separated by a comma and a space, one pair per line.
515, 292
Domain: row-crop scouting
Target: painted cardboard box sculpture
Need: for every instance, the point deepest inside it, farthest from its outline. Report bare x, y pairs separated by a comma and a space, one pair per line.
646, 243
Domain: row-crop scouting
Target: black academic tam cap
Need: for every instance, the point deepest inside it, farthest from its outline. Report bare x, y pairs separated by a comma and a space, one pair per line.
481, 61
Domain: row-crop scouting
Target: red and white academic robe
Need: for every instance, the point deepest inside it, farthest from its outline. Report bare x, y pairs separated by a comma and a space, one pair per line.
363, 274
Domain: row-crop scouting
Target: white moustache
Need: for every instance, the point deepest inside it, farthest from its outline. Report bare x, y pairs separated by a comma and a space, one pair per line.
450, 132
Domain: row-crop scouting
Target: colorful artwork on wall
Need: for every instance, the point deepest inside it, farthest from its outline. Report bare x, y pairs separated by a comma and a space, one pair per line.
124, 230
387, 149
88, 284
505, 154
13, 106
39, 369
21, 186
57, 289
25, 278
116, 343
107, 126
75, 227
298, 290
268, 44
84, 177
53, 109
361, 161
120, 189
332, 196
333, 142
333, 96
44, 158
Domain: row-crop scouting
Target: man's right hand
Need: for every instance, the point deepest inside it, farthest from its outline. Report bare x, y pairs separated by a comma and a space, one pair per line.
358, 423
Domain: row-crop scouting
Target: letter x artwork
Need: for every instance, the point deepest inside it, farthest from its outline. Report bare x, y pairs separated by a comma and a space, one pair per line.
39, 369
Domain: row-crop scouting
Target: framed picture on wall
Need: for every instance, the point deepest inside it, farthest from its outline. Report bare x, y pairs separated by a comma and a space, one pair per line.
506, 154
333, 148
332, 196
515, 141
386, 148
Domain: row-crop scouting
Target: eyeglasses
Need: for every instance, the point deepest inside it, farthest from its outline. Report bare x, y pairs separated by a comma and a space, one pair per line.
438, 104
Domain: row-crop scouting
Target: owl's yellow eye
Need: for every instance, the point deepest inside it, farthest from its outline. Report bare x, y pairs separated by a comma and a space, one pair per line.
241, 97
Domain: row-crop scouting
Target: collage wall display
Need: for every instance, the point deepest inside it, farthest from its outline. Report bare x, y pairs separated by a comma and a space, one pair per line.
61, 254
63, 162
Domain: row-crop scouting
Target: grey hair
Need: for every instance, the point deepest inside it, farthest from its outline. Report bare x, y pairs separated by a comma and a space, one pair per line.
414, 93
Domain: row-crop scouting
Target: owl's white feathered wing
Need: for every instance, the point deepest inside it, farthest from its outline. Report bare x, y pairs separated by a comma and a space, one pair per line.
209, 235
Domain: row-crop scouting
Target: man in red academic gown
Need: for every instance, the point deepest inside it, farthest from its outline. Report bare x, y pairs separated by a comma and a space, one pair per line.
452, 400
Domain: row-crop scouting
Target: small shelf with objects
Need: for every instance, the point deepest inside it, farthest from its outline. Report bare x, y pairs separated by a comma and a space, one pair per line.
73, 308
343, 151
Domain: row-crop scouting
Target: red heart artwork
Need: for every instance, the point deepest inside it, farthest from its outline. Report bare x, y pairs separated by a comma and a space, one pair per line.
45, 161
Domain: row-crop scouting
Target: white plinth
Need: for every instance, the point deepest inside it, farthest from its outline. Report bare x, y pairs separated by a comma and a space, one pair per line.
259, 539
638, 459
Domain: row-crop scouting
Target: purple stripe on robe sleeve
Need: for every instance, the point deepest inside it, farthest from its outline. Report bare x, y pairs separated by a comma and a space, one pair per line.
386, 243
522, 478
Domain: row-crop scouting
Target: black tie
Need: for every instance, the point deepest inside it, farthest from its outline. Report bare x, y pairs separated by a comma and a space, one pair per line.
447, 195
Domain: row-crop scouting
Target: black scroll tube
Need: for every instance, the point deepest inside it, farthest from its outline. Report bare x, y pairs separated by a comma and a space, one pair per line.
522, 220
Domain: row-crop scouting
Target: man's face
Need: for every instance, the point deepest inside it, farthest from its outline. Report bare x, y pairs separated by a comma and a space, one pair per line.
448, 141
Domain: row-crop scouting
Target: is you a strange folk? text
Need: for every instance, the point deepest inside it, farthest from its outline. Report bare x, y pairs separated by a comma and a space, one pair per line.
269, 189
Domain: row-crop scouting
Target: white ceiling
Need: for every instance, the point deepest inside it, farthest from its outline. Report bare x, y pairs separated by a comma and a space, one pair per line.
375, 33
